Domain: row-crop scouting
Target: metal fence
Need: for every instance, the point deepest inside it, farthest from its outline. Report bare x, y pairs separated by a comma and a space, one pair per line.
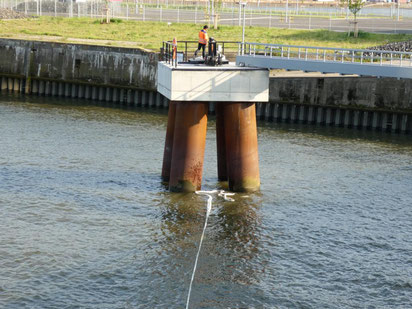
293, 16
292, 8
186, 50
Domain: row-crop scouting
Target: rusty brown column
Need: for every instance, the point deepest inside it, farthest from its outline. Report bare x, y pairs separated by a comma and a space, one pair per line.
220, 142
167, 154
241, 146
188, 146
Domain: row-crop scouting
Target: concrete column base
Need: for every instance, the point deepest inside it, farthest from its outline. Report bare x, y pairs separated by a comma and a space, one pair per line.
3, 84
16, 85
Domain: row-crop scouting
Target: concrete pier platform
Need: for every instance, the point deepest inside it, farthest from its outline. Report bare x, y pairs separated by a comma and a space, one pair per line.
232, 91
226, 83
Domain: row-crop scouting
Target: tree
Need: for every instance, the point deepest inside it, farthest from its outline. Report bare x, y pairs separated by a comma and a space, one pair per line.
213, 9
106, 10
354, 7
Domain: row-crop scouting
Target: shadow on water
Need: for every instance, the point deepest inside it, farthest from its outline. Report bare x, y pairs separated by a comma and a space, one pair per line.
154, 115
159, 116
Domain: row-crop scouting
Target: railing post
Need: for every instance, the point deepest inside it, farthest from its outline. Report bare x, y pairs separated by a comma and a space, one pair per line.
281, 52
324, 55
175, 50
299, 53
371, 57
401, 59
381, 58
288, 52
317, 53
353, 56
343, 56
306, 54
361, 58
391, 58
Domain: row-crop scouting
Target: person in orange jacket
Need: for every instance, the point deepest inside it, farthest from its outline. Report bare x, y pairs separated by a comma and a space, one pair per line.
203, 39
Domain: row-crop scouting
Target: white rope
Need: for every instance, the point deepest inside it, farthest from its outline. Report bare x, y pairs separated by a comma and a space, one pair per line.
220, 193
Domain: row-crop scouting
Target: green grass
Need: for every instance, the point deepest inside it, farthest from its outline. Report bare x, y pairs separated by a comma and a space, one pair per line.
150, 35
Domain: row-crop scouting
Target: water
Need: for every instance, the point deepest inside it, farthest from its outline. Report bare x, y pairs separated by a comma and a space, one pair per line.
86, 223
209, 195
208, 211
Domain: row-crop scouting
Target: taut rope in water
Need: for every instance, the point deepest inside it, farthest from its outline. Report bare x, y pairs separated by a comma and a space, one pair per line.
208, 210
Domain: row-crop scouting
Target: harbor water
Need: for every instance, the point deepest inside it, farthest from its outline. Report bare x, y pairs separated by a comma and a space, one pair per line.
86, 222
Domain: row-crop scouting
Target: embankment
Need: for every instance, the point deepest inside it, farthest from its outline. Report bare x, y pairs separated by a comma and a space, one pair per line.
129, 76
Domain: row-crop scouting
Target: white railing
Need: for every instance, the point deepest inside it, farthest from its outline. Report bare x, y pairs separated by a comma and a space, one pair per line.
327, 54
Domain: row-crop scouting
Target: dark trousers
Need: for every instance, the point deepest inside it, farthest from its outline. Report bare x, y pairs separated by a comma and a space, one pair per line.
201, 46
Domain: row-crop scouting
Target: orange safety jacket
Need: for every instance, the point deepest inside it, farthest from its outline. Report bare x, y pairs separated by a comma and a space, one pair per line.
203, 37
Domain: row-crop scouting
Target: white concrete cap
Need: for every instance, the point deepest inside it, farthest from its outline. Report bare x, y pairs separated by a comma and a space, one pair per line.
226, 83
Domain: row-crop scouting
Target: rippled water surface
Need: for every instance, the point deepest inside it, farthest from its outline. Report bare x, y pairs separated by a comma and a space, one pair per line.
86, 223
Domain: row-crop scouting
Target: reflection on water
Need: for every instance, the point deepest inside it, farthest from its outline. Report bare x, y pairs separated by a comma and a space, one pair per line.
85, 221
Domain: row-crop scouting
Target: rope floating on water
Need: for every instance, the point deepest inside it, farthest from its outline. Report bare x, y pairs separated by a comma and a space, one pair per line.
220, 193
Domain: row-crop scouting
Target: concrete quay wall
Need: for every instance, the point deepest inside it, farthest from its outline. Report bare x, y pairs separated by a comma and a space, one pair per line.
129, 76
76, 63
383, 104
370, 93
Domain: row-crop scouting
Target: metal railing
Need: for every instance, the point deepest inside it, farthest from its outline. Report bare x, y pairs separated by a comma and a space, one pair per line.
327, 54
188, 48
168, 53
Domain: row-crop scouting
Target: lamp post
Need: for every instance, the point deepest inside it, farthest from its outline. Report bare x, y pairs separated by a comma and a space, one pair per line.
240, 12
214, 15
287, 11
243, 27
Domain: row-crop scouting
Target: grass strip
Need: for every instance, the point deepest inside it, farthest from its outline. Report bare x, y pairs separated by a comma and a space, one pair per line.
150, 35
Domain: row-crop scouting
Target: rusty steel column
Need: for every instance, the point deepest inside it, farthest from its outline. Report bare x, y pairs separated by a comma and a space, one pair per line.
188, 146
167, 154
241, 146
220, 142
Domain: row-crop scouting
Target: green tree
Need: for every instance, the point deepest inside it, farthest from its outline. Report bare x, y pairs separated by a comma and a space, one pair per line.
354, 7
